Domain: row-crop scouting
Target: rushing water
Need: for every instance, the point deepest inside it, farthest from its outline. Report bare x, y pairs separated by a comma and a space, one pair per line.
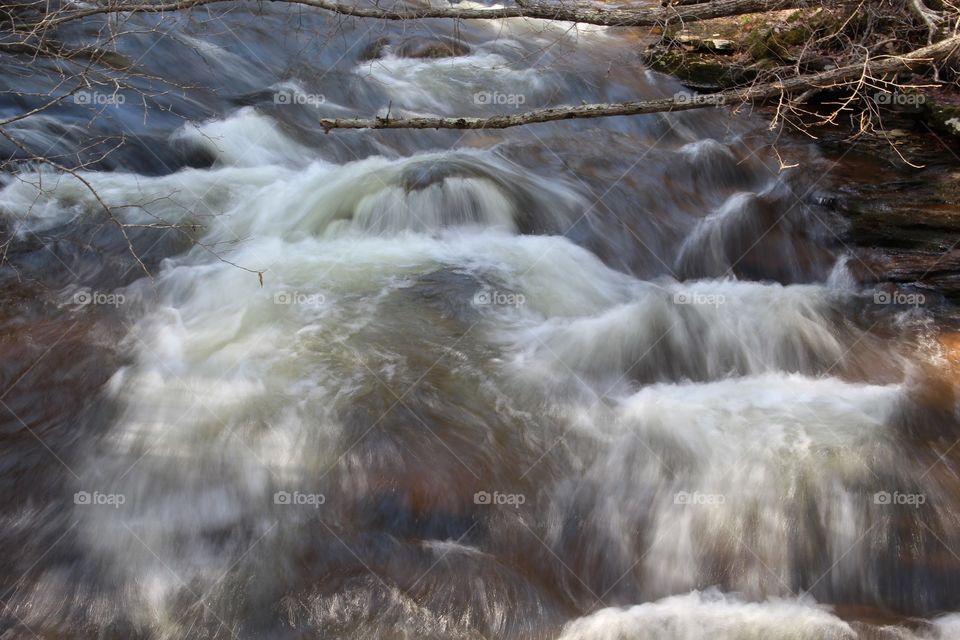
593, 380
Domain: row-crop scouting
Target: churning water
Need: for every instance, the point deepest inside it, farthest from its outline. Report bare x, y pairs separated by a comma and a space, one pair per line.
593, 380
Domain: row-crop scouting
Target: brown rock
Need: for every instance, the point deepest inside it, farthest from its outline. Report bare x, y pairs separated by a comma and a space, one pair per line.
432, 48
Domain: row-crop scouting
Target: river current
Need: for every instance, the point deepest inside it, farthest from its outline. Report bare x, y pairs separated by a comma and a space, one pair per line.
594, 380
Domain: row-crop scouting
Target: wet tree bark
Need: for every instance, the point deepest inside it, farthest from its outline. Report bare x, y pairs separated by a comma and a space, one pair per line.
568, 12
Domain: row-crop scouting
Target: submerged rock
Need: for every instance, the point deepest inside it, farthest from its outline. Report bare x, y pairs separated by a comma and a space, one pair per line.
374, 49
426, 48
432, 48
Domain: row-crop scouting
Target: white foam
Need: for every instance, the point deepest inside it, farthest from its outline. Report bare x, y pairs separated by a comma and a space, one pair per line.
703, 615
451, 85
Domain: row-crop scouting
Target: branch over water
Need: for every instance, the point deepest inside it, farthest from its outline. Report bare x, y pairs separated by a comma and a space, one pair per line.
835, 78
575, 12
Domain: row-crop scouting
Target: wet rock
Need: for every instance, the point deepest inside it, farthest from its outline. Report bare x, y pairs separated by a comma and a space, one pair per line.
719, 45
698, 70
711, 45
424, 48
926, 413
941, 112
422, 176
432, 48
375, 49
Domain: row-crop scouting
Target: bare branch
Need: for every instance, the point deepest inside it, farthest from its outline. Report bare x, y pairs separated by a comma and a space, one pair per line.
835, 78
581, 13
929, 18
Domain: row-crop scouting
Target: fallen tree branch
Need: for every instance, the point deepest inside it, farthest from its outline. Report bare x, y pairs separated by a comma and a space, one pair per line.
819, 81
57, 51
581, 13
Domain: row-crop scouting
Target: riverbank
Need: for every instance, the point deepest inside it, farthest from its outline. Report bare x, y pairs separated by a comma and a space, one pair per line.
733, 52
895, 174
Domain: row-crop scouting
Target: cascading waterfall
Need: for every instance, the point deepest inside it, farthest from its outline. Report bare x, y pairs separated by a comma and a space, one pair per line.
516, 389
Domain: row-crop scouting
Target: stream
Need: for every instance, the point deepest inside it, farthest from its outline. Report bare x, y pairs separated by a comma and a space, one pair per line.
624, 378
